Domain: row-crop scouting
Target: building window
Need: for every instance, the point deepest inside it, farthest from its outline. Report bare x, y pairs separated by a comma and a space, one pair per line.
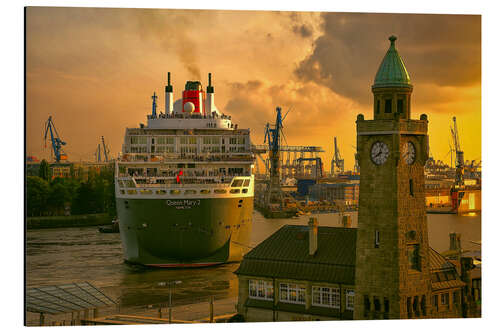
445, 299
188, 140
141, 140
326, 296
366, 301
435, 301
386, 305
413, 252
260, 289
415, 305
456, 297
376, 304
400, 106
292, 293
422, 305
411, 187
349, 299
388, 105
378, 106
377, 238
164, 140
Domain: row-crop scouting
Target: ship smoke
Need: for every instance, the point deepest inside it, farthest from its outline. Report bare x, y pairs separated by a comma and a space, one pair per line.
170, 31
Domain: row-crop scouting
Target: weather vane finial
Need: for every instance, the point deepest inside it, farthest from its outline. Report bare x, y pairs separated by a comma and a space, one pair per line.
392, 38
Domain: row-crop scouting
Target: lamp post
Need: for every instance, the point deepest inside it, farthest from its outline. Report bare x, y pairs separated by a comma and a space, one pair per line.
170, 284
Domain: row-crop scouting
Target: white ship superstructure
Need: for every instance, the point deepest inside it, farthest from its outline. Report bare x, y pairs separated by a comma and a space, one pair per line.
187, 157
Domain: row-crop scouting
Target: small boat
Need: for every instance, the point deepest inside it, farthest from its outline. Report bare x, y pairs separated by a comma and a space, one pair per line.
110, 229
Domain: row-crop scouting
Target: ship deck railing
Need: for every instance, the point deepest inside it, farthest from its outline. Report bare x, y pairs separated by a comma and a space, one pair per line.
220, 178
173, 176
187, 158
183, 184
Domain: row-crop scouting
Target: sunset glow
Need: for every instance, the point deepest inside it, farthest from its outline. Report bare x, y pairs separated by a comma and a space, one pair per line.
94, 70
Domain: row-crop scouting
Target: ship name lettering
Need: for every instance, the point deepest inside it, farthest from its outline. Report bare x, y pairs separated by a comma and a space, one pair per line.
184, 203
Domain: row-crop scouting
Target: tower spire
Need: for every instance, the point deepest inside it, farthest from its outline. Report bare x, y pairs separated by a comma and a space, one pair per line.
392, 86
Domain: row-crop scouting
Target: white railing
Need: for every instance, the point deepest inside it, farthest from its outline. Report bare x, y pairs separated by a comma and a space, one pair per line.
187, 158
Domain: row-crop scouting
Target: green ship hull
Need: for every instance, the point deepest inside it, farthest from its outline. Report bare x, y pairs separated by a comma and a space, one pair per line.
185, 232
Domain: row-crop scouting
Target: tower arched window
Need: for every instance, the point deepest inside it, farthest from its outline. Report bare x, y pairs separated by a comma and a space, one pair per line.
388, 105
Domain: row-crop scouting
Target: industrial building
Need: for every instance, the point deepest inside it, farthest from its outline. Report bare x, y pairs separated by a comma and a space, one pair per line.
347, 192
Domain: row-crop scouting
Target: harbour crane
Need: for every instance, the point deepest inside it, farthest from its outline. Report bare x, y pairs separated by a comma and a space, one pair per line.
273, 136
356, 163
105, 150
457, 190
98, 153
459, 159
337, 165
56, 141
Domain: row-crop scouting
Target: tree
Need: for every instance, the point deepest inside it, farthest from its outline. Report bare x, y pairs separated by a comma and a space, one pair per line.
110, 199
37, 193
44, 171
59, 195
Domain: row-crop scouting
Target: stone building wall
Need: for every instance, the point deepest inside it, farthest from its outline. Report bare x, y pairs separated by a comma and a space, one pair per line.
385, 285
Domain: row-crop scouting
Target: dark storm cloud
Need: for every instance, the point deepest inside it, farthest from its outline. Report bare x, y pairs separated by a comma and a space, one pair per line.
302, 30
444, 50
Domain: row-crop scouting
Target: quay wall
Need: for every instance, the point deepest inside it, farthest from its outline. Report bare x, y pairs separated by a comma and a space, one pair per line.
86, 220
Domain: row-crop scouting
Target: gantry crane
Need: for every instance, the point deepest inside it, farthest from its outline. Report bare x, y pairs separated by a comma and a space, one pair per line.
459, 159
273, 136
105, 151
337, 165
457, 190
98, 153
56, 141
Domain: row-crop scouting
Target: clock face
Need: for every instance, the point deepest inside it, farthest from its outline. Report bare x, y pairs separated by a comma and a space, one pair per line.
409, 152
379, 153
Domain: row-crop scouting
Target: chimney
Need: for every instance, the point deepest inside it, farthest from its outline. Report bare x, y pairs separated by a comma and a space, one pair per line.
210, 101
169, 96
313, 236
455, 242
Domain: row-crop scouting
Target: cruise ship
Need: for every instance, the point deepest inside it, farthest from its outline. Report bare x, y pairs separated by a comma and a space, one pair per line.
184, 184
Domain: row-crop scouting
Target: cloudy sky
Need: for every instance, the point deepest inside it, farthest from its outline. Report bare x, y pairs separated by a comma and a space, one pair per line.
94, 71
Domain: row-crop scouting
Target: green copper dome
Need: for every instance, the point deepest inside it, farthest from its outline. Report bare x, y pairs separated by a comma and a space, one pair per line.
392, 71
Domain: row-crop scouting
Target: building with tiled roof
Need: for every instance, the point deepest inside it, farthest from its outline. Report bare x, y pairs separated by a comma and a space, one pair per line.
307, 273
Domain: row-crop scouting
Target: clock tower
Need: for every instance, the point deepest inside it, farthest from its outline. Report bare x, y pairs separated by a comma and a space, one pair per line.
392, 250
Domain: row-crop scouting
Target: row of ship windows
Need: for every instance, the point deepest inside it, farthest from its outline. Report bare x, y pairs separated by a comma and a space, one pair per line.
142, 140
186, 192
296, 293
185, 149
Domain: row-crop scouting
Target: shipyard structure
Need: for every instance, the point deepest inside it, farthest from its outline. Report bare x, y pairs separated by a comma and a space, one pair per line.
384, 268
